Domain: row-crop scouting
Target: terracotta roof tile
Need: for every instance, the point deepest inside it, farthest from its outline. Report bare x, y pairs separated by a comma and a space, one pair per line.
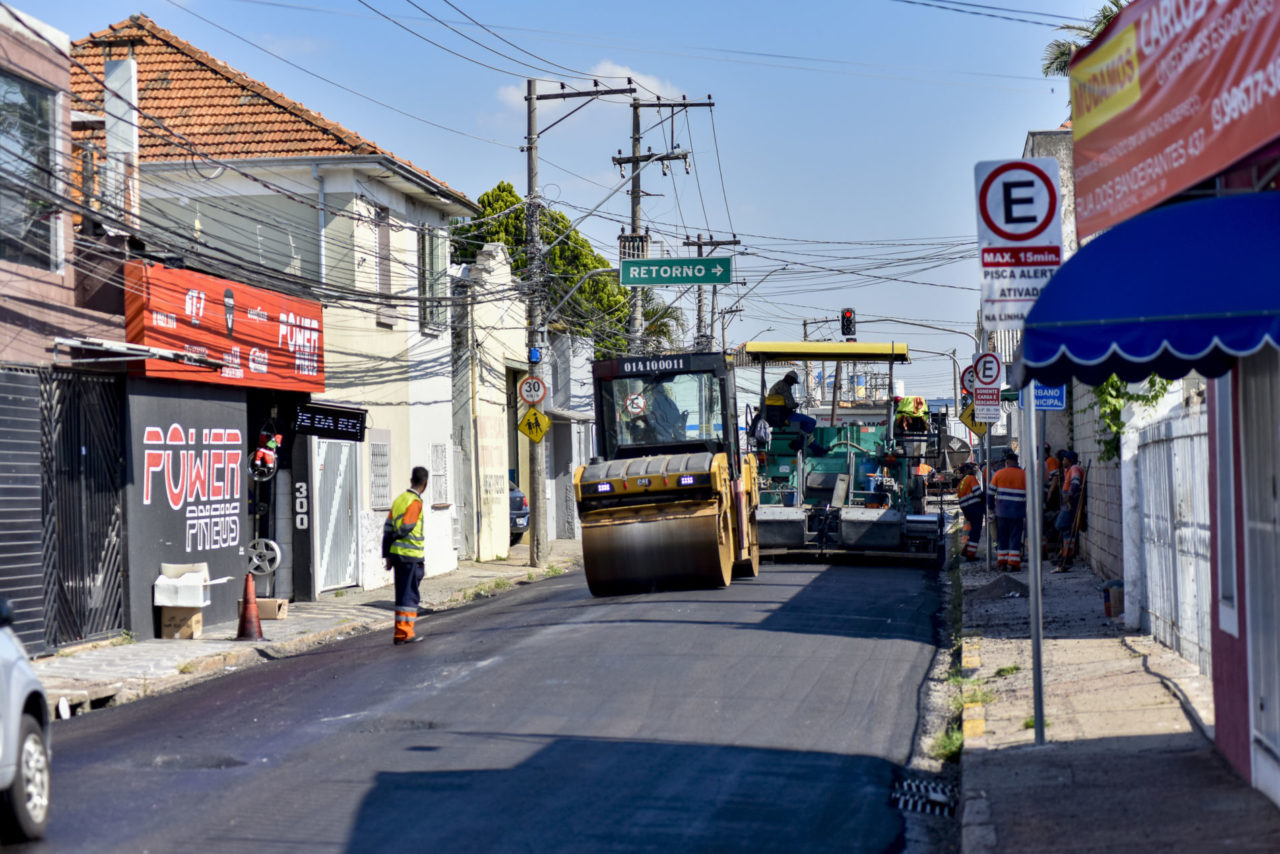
214, 108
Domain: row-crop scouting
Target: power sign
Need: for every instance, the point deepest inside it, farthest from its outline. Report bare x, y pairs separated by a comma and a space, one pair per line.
1019, 235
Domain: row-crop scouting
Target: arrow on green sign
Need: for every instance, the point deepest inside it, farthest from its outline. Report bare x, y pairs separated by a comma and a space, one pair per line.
654, 272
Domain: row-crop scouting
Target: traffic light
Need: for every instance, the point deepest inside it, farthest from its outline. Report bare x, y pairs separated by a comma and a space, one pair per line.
848, 323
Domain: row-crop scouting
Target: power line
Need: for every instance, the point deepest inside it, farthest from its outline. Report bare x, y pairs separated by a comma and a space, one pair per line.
338, 85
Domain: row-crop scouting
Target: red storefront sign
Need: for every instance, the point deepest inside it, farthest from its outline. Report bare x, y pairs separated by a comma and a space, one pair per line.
1170, 94
260, 338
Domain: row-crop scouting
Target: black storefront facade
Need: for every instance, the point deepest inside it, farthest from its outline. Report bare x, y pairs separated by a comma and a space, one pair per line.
194, 426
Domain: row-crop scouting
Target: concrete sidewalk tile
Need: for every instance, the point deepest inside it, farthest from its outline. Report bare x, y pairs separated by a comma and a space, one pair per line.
1119, 739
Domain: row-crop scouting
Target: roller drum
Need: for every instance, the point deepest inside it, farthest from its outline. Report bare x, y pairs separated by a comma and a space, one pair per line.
636, 549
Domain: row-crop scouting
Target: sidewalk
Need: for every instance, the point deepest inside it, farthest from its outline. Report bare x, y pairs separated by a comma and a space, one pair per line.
1128, 762
106, 673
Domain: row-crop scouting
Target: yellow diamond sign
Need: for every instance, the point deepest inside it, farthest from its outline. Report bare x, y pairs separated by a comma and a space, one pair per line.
978, 427
535, 425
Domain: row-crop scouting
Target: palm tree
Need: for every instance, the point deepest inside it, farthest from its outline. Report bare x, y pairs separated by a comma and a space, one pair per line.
1059, 52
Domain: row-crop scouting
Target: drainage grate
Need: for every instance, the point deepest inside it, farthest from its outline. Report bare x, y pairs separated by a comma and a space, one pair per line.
928, 797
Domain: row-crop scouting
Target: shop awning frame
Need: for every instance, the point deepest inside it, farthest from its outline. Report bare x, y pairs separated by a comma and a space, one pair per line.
1188, 287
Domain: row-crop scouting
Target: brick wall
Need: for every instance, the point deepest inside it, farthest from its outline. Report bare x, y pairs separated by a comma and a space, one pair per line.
1102, 545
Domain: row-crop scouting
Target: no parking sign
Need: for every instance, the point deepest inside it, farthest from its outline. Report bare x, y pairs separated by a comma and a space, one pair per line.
1019, 235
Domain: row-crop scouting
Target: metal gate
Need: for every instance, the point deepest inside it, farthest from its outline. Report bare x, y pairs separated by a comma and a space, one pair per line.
337, 529
83, 459
1173, 472
21, 517
1258, 414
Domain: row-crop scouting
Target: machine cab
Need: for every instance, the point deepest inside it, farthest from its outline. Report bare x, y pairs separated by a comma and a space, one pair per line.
652, 405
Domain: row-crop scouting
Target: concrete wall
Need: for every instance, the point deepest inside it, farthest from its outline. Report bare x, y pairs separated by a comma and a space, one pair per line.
376, 357
489, 339
39, 303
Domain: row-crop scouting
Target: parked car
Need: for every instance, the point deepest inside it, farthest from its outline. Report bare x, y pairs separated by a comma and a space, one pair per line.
519, 512
24, 739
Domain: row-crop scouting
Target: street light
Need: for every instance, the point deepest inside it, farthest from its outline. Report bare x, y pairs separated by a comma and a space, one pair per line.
972, 338
752, 288
955, 387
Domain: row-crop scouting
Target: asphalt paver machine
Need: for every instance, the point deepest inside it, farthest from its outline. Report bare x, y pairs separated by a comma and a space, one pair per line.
854, 486
671, 499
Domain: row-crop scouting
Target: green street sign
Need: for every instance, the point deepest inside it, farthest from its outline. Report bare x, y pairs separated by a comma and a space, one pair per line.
653, 272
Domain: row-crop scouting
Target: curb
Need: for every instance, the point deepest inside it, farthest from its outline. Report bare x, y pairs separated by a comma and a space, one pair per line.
977, 833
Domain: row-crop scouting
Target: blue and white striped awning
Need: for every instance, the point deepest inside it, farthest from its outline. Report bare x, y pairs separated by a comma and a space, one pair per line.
1191, 286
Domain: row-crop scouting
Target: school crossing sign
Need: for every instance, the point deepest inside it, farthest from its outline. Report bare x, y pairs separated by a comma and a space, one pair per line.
1019, 235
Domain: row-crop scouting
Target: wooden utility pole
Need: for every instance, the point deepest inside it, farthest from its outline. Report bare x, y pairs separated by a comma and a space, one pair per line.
631, 245
704, 335
536, 339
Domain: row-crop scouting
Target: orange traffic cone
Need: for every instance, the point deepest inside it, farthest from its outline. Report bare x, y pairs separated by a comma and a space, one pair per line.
250, 625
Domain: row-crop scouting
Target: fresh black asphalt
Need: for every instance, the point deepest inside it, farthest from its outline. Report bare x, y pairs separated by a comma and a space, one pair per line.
770, 716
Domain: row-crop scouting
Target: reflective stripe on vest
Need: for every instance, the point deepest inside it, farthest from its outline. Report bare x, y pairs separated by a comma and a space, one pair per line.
407, 543
970, 491
1009, 488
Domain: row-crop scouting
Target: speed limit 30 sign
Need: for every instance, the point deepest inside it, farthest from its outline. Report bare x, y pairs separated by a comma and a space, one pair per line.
1019, 235
533, 390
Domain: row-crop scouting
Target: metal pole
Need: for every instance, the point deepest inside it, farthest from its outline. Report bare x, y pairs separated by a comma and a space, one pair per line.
533, 235
986, 485
637, 312
699, 328
1035, 492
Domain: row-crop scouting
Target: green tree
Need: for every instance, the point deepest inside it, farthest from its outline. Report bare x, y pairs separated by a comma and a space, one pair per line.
1059, 52
600, 309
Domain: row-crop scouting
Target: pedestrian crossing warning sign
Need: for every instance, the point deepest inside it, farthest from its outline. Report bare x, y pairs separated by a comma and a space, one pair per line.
535, 425
966, 417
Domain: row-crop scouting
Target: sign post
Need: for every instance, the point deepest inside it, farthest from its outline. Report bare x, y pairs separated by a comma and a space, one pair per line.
1019, 235
1035, 519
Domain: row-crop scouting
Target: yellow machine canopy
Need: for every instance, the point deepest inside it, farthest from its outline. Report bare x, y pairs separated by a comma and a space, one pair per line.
857, 351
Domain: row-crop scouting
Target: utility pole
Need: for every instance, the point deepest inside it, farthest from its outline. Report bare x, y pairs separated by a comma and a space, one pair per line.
704, 335
636, 244
533, 254
538, 545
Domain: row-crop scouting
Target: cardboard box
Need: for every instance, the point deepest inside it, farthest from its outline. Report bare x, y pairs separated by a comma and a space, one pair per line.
269, 609
183, 623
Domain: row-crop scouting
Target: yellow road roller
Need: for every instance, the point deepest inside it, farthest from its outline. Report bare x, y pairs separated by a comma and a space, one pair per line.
670, 501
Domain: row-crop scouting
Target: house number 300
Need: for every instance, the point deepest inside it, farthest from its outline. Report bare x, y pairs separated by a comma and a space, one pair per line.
301, 506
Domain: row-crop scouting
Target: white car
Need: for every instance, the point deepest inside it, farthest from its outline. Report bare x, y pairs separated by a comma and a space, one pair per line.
24, 739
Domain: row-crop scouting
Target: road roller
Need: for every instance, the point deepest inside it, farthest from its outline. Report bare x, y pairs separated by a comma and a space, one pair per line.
844, 478
670, 502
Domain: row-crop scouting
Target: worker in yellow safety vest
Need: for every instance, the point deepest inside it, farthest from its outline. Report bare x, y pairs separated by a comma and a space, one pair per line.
402, 550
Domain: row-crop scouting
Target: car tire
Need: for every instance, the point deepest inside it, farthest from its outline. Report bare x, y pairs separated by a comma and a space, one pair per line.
26, 802
516, 538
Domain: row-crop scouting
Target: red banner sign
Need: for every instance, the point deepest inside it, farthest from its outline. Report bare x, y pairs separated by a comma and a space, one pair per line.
258, 337
1170, 94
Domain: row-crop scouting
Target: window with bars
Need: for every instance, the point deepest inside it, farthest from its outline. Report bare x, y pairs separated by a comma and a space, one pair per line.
433, 279
440, 474
27, 140
382, 263
380, 475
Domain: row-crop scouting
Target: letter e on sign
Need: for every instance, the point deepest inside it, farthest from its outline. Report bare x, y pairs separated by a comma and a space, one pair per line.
533, 390
1017, 202
988, 370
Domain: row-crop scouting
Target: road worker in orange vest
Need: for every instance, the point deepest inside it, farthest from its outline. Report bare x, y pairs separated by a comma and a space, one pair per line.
973, 507
1068, 516
1008, 495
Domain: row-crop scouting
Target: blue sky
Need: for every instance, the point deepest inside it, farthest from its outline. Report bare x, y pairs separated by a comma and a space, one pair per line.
838, 127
